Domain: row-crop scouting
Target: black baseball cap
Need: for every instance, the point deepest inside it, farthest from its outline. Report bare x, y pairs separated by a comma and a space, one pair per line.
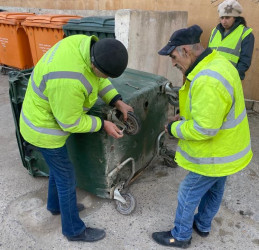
190, 35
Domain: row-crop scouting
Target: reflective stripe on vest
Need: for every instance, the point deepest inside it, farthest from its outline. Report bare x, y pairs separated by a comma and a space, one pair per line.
36, 89
214, 34
48, 131
178, 129
86, 109
214, 160
105, 90
231, 120
59, 75
93, 127
68, 125
235, 51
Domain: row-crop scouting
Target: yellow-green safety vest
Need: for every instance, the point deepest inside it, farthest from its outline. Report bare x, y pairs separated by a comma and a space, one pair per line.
230, 46
214, 136
61, 90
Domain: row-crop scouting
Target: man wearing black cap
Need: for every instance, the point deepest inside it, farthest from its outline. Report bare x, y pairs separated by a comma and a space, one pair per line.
63, 87
213, 133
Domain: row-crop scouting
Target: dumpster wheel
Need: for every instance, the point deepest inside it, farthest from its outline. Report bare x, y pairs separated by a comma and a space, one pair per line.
128, 207
173, 95
132, 124
170, 163
169, 159
174, 101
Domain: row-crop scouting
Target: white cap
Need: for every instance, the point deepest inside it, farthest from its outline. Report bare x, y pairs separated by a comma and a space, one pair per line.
230, 8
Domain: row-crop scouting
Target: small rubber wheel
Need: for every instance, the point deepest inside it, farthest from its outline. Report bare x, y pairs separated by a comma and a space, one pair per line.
169, 161
173, 101
128, 207
133, 124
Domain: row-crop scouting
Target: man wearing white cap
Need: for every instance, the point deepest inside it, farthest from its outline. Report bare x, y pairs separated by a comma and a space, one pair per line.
232, 38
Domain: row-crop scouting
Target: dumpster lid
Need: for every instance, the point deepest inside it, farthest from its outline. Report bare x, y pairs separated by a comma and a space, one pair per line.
48, 20
14, 17
94, 21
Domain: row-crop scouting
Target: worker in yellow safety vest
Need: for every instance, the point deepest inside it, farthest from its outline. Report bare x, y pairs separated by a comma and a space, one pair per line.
232, 38
213, 133
63, 86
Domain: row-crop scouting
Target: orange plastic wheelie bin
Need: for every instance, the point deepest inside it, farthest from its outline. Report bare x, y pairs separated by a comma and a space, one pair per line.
14, 44
44, 31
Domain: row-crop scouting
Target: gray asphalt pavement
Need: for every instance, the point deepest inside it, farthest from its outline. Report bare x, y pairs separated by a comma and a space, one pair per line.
26, 224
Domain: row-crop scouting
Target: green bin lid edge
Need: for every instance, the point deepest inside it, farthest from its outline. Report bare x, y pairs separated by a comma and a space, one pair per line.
69, 27
96, 21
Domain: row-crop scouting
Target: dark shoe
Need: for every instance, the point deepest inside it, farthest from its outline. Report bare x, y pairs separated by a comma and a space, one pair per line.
80, 207
166, 239
202, 234
89, 235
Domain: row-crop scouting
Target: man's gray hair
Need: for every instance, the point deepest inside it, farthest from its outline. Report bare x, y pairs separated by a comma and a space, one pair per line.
194, 47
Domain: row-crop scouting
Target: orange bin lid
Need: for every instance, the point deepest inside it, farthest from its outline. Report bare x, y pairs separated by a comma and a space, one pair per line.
49, 20
14, 18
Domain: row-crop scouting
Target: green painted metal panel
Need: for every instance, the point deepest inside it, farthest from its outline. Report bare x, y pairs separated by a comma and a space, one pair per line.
95, 155
31, 158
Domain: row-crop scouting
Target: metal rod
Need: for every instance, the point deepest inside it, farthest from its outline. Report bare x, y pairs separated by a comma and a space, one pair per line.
118, 168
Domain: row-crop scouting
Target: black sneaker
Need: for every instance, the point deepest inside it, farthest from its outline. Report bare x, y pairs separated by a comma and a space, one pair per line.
166, 239
202, 234
88, 235
80, 208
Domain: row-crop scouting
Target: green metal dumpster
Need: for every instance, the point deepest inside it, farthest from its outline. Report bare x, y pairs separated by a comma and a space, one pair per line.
105, 166
30, 156
100, 26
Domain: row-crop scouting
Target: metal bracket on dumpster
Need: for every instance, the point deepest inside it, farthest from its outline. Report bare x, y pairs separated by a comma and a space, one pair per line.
166, 154
173, 93
28, 160
158, 144
113, 118
161, 150
131, 127
32, 171
116, 170
117, 195
169, 89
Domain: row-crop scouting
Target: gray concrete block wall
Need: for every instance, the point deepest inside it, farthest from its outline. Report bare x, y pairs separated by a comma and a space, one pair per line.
144, 33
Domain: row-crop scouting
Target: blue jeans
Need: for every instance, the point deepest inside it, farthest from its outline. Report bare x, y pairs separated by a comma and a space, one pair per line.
62, 190
197, 190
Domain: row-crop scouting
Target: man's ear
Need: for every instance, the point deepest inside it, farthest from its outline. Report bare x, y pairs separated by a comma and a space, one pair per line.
185, 51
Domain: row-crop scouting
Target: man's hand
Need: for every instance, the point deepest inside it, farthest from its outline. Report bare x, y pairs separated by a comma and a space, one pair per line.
112, 130
123, 108
175, 118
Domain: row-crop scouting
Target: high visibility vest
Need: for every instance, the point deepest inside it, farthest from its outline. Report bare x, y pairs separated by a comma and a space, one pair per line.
214, 136
61, 90
230, 46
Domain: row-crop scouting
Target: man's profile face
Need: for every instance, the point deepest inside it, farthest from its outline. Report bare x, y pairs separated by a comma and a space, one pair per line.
182, 60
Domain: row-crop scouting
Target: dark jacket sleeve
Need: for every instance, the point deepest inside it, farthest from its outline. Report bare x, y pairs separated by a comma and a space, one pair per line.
246, 53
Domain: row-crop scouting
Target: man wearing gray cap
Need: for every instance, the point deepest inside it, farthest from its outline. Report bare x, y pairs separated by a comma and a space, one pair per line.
213, 133
232, 38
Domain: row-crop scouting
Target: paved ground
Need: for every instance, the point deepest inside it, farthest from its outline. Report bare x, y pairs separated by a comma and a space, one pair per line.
25, 223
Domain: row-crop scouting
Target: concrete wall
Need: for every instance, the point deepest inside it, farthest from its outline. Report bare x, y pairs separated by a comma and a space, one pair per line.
146, 32
201, 12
